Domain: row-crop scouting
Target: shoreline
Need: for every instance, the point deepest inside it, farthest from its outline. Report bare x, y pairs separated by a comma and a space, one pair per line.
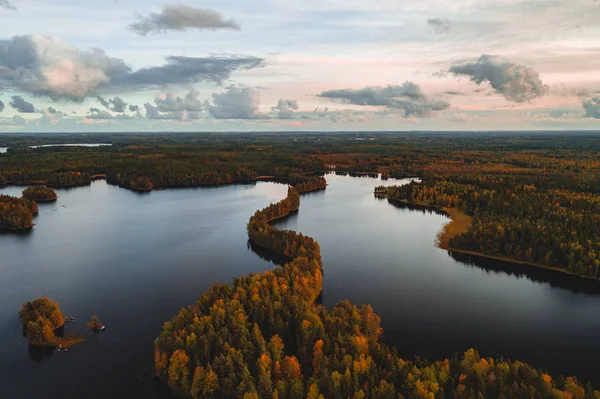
454, 213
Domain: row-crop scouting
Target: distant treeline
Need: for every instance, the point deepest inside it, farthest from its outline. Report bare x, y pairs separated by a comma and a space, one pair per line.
266, 336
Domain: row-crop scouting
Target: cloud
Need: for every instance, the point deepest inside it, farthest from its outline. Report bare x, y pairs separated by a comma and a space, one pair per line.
236, 103
565, 91
134, 108
517, 83
408, 98
1, 106
180, 69
42, 65
170, 102
96, 113
18, 120
454, 93
179, 17
21, 105
8, 5
459, 117
50, 116
286, 108
592, 107
170, 106
439, 25
115, 104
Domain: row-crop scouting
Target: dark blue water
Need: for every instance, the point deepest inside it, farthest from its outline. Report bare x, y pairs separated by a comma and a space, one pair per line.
135, 260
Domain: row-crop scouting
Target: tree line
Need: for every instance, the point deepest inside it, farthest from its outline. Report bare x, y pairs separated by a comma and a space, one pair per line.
521, 219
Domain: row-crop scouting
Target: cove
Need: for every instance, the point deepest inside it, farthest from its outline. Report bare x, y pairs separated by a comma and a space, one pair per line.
136, 259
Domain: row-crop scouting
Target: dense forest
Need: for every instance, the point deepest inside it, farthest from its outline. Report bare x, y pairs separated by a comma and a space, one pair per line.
40, 193
318, 183
518, 219
532, 197
267, 336
40, 319
16, 213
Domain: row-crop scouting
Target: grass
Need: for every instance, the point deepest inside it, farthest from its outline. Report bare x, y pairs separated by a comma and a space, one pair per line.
460, 222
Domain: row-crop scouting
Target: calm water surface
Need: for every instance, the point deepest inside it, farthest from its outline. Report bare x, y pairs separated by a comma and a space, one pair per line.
135, 260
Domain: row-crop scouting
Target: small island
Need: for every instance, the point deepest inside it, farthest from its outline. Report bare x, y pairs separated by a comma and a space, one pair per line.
16, 213
40, 194
41, 319
95, 325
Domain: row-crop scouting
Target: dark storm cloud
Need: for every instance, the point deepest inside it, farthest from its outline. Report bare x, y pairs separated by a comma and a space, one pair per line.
286, 108
1, 106
439, 25
592, 107
408, 98
36, 65
7, 4
517, 83
236, 103
134, 108
21, 105
179, 17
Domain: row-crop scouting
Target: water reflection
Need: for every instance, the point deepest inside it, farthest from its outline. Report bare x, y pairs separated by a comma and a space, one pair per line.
267, 254
556, 279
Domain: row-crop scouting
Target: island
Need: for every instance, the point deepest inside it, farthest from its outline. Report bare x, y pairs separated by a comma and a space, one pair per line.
40, 194
267, 336
16, 213
41, 319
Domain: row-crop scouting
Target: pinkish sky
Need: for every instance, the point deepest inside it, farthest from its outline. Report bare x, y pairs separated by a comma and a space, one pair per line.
238, 65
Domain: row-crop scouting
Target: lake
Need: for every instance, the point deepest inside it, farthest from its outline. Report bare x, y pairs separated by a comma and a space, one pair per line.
136, 259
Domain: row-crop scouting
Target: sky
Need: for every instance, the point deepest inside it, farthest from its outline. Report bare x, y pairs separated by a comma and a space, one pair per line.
305, 65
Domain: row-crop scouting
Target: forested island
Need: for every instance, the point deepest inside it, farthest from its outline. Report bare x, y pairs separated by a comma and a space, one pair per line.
40, 319
267, 336
16, 213
40, 194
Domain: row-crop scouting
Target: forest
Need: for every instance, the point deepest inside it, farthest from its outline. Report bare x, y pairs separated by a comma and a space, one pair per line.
40, 193
518, 219
40, 319
16, 213
531, 196
267, 336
